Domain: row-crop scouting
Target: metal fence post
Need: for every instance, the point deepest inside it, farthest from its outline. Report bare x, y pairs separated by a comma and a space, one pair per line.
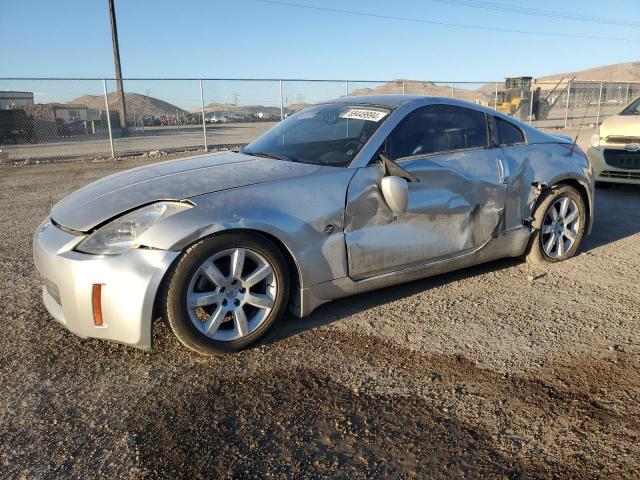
403, 88
106, 104
495, 100
599, 101
626, 97
204, 123
281, 103
346, 88
566, 110
452, 87
531, 103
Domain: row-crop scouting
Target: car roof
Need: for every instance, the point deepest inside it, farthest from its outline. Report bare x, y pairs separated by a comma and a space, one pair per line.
382, 100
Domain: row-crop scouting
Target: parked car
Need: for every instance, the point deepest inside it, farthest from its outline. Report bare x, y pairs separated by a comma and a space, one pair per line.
340, 198
73, 127
216, 119
15, 126
615, 149
151, 121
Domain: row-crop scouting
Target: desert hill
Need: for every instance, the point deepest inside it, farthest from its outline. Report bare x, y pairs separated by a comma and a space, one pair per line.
414, 87
136, 103
620, 72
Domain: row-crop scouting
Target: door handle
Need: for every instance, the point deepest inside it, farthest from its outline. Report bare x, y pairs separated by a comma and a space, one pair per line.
503, 170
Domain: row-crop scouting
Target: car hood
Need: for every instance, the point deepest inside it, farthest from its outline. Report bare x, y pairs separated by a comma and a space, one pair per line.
621, 125
173, 180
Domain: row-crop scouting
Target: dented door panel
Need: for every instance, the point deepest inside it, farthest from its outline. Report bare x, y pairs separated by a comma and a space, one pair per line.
455, 208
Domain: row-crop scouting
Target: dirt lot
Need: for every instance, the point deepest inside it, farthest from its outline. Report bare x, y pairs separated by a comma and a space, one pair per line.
499, 370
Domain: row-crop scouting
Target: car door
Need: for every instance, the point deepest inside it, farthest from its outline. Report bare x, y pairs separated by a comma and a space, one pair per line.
454, 208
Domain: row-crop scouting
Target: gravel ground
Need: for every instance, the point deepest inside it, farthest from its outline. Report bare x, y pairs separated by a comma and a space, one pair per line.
502, 370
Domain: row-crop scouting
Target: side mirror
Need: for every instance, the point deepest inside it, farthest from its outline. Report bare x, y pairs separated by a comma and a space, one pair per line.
395, 191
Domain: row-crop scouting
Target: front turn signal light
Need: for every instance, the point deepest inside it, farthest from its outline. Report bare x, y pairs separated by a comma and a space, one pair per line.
96, 301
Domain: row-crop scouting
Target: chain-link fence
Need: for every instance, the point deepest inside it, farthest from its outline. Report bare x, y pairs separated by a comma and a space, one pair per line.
45, 119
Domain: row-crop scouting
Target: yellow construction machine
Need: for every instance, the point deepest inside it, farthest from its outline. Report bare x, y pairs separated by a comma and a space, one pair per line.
514, 99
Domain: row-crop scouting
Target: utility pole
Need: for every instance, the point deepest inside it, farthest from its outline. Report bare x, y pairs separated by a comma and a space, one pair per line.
122, 110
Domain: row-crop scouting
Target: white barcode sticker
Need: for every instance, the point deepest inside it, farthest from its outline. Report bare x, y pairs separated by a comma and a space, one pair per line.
364, 114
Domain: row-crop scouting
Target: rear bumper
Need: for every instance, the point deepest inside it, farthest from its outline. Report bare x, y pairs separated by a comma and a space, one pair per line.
129, 282
607, 173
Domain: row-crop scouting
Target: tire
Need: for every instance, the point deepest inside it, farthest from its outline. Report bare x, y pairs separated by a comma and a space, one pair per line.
523, 109
542, 110
239, 308
547, 229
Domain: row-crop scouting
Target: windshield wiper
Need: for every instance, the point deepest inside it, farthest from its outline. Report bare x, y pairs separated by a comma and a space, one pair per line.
276, 156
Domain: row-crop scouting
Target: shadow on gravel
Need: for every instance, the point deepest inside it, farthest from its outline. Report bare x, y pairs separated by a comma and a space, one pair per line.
299, 421
299, 424
617, 215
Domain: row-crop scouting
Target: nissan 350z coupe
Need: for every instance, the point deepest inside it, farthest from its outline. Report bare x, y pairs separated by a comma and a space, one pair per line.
342, 197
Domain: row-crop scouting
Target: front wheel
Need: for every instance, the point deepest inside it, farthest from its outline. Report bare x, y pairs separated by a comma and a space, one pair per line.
225, 292
559, 222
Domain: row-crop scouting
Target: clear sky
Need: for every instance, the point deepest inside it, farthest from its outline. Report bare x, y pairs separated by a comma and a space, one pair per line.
248, 39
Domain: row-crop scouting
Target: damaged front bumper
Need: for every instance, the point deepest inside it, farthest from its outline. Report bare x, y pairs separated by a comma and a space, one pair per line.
129, 283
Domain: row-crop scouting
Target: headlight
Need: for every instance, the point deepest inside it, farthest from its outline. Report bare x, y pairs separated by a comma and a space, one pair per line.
595, 140
120, 234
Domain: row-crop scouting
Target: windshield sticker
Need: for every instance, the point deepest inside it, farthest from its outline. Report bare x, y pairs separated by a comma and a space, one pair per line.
364, 114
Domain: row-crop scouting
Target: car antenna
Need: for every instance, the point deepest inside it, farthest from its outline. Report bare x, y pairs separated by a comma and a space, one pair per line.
575, 140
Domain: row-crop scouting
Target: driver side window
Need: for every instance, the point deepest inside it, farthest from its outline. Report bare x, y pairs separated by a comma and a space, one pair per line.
437, 128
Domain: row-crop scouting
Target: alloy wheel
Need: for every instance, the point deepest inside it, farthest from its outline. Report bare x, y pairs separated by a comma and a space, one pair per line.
231, 294
560, 227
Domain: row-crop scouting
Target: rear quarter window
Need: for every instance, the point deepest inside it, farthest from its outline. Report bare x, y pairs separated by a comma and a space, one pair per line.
508, 133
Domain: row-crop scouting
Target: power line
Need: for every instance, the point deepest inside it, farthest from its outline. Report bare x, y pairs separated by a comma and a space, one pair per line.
444, 24
501, 7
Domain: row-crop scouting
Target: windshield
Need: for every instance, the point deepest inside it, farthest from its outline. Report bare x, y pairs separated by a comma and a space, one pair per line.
329, 134
633, 109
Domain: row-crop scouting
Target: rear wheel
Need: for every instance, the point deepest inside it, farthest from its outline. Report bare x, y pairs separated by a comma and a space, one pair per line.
225, 292
559, 222
542, 110
523, 109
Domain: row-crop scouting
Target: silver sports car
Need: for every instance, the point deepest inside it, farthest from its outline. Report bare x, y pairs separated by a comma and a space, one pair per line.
342, 197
